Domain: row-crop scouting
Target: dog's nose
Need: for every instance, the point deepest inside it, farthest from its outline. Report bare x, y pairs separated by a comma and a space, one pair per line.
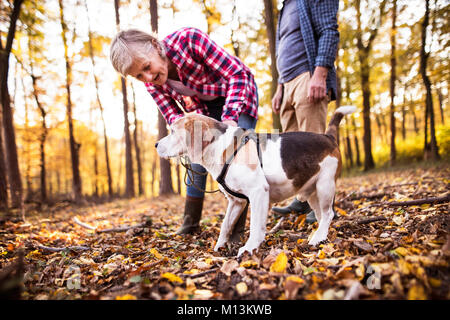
156, 145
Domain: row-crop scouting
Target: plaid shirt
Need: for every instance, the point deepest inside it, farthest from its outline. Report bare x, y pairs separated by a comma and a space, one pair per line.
205, 67
318, 24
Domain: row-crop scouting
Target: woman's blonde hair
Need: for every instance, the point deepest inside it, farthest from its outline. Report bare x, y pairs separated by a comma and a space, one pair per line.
131, 45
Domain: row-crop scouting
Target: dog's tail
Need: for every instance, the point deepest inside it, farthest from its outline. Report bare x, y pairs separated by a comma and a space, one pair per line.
336, 119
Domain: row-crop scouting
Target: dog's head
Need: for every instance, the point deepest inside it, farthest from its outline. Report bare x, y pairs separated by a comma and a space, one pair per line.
190, 135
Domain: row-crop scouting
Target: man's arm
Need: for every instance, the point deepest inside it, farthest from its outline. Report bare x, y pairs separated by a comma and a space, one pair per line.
324, 20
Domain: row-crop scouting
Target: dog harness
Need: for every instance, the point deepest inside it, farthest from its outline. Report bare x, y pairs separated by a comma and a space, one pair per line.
245, 137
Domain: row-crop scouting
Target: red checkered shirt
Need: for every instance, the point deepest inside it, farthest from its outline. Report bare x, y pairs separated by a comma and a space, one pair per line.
206, 68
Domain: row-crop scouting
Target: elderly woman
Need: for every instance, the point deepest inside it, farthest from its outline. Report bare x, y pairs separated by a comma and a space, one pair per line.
188, 63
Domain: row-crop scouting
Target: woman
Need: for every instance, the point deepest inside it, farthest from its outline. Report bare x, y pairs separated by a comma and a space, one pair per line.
188, 63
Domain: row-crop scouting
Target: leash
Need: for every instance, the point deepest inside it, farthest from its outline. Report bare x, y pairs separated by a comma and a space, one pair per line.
188, 166
246, 136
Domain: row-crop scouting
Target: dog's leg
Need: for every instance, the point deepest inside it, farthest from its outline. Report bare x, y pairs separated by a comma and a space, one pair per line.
234, 210
313, 202
325, 189
259, 200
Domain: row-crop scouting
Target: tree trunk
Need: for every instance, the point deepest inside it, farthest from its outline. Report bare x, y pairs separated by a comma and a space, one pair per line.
26, 140
430, 148
234, 40
42, 137
441, 105
14, 178
137, 149
129, 188
165, 177
404, 115
363, 56
3, 178
269, 20
393, 153
105, 137
74, 146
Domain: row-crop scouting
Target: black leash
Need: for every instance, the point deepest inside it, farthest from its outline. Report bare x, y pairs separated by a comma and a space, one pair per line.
188, 166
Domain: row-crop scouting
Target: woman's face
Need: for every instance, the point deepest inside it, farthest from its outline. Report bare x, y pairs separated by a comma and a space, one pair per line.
153, 68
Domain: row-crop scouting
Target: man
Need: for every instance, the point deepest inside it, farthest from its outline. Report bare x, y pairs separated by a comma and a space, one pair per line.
306, 45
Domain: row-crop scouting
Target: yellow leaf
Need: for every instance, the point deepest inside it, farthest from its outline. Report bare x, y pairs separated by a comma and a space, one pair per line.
295, 279
321, 254
402, 251
341, 211
416, 292
404, 267
126, 297
209, 261
172, 277
436, 283
249, 264
192, 271
155, 253
360, 271
280, 263
241, 288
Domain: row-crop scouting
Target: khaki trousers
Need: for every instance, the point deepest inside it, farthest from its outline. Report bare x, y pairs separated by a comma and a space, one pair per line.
296, 112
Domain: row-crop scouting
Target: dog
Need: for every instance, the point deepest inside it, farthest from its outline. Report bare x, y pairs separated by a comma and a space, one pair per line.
278, 167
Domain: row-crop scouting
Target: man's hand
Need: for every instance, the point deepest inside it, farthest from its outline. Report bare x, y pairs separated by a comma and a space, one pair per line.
317, 85
277, 98
230, 123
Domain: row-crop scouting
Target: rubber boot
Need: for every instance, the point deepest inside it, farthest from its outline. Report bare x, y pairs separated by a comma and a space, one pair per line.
295, 206
192, 214
237, 234
311, 216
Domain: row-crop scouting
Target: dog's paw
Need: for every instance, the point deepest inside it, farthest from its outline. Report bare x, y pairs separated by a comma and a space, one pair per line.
316, 239
245, 249
219, 245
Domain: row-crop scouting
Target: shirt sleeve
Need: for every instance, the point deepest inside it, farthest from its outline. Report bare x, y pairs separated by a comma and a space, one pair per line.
206, 51
168, 108
324, 20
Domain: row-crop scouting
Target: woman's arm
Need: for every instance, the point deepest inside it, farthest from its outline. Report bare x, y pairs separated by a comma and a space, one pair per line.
169, 109
205, 50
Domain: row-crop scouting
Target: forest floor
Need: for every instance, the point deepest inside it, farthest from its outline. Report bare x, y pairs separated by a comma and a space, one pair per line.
374, 250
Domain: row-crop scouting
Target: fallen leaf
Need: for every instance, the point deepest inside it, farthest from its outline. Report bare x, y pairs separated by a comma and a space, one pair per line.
241, 288
416, 292
249, 264
280, 263
229, 266
172, 277
126, 297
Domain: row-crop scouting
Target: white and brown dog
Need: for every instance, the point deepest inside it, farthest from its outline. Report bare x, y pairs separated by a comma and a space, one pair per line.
293, 163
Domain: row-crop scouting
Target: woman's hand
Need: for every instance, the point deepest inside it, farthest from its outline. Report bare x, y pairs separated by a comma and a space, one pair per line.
277, 99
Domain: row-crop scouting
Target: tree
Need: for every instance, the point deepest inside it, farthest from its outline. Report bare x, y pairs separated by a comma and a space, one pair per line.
430, 148
14, 178
99, 103
269, 19
393, 154
137, 149
129, 188
364, 51
74, 145
165, 178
